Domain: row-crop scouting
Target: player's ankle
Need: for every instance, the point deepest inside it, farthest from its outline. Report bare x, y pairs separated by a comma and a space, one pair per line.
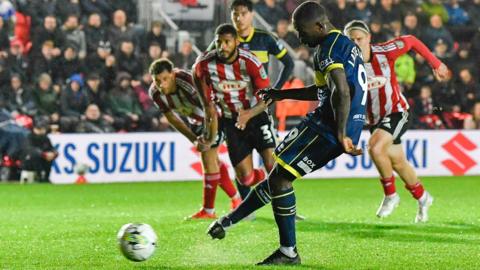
289, 251
209, 210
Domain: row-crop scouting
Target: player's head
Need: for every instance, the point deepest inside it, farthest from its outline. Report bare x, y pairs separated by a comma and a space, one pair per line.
311, 22
226, 42
162, 74
359, 33
241, 14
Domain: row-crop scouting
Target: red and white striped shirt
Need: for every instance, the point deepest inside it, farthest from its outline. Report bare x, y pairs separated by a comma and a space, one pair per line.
185, 101
389, 99
232, 86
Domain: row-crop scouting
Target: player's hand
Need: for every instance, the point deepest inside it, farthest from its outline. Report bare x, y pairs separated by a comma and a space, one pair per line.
350, 148
442, 73
269, 95
202, 144
243, 118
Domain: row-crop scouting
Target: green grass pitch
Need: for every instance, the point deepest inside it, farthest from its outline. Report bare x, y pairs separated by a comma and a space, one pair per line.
74, 227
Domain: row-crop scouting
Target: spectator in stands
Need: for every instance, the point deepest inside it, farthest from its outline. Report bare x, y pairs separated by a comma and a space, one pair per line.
75, 35
46, 62
411, 26
17, 62
271, 11
446, 96
154, 52
405, 71
124, 104
100, 7
17, 99
155, 35
339, 12
65, 8
387, 12
396, 28
48, 31
456, 14
468, 88
362, 11
103, 63
441, 51
424, 110
38, 10
473, 122
186, 57
434, 7
119, 30
73, 102
473, 10
464, 59
379, 34
47, 99
129, 7
7, 13
128, 61
94, 33
39, 152
96, 92
436, 31
69, 63
4, 39
93, 122
288, 36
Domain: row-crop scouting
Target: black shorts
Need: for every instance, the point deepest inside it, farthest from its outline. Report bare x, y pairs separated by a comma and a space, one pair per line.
259, 134
198, 130
395, 124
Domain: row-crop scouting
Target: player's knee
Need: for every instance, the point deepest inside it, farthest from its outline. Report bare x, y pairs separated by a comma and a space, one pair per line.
278, 182
376, 150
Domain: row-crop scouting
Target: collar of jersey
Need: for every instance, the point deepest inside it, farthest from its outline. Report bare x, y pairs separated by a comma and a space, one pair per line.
334, 31
249, 37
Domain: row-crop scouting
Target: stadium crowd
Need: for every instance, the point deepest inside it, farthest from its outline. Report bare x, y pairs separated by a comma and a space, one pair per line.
82, 65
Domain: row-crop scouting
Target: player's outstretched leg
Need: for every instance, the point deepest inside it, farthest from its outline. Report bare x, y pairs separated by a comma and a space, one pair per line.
227, 186
390, 200
210, 183
257, 198
284, 210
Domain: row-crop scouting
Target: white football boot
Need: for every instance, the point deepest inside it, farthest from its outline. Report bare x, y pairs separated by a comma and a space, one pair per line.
387, 206
424, 204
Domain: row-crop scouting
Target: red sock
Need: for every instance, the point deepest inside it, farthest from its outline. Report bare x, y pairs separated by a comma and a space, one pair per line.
259, 176
210, 183
225, 182
416, 190
388, 185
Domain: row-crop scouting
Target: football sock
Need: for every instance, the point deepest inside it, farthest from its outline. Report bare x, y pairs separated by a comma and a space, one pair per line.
416, 190
289, 251
388, 185
210, 182
257, 198
209, 210
284, 210
225, 181
243, 190
259, 176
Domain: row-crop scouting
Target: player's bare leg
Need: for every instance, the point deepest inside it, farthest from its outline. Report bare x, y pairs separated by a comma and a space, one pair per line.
379, 143
412, 183
211, 179
226, 184
268, 161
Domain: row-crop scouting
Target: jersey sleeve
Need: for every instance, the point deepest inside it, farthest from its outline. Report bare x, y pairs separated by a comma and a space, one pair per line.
201, 74
401, 45
275, 47
326, 61
157, 100
258, 75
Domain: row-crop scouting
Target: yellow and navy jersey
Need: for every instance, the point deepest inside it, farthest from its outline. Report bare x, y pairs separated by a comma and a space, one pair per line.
262, 44
337, 51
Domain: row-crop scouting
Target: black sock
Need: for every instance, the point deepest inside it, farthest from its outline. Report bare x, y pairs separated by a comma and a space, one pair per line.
243, 190
284, 209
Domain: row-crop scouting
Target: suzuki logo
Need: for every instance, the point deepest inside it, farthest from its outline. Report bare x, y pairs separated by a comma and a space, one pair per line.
457, 147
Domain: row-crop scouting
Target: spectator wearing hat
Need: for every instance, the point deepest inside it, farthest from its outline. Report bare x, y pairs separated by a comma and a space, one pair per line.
155, 35
16, 61
39, 153
48, 31
75, 35
93, 122
94, 32
69, 63
73, 102
103, 63
46, 62
128, 61
124, 104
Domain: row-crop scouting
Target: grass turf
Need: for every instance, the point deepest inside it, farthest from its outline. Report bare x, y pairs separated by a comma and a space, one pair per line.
74, 227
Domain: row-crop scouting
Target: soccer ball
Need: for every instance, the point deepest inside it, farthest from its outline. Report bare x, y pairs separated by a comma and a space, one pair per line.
137, 241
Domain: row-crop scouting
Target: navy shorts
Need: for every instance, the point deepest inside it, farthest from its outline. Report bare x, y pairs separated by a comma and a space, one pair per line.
307, 148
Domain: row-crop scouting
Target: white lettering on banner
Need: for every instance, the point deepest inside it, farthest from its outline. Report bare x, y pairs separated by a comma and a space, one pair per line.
168, 156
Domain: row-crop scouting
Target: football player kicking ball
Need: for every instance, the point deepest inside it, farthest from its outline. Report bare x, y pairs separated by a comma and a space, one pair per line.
332, 129
173, 92
230, 77
388, 116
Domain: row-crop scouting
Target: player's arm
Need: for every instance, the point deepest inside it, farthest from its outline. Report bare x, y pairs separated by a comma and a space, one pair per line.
341, 107
306, 93
180, 126
211, 117
276, 48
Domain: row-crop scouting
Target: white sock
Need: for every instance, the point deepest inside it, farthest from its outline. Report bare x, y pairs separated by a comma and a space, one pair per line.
391, 195
423, 199
209, 210
288, 251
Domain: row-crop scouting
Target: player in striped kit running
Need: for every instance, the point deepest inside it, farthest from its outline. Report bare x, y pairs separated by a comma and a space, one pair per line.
174, 93
387, 114
230, 77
